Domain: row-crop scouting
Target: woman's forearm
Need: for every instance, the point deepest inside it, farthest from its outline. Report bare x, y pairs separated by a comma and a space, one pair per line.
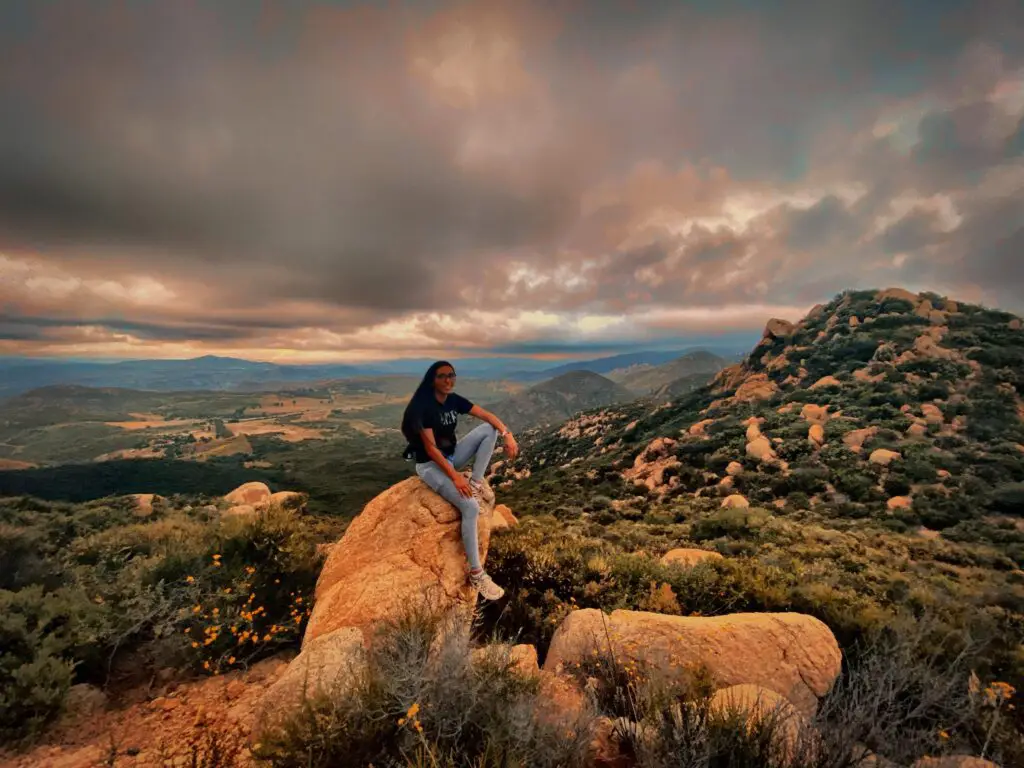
439, 458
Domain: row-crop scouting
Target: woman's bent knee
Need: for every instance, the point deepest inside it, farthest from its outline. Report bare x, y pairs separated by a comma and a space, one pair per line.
469, 507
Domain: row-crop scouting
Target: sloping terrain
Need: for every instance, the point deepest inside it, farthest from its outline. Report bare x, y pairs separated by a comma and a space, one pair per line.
865, 463
645, 379
554, 401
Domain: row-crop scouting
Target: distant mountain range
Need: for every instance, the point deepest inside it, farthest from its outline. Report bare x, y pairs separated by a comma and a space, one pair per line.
20, 374
558, 399
646, 378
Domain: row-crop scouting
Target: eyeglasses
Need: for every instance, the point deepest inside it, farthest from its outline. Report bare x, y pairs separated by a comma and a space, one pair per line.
446, 376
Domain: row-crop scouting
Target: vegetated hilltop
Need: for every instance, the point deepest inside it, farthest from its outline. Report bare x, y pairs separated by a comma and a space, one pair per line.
874, 397
865, 462
558, 399
647, 379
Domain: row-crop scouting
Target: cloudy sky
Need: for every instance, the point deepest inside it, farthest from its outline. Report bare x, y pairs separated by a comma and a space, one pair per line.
311, 181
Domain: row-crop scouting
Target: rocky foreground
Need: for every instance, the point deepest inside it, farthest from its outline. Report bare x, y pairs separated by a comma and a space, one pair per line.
405, 551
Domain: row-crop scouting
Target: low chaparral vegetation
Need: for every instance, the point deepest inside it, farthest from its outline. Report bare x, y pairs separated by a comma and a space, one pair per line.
925, 594
91, 592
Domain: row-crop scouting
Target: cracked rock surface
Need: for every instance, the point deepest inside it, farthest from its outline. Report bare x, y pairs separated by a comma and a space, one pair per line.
792, 654
405, 548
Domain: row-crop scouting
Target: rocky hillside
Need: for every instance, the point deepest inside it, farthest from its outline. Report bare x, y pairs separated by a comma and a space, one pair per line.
558, 399
649, 379
885, 401
867, 463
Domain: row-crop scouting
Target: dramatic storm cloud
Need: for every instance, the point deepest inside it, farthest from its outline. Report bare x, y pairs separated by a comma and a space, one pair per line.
328, 180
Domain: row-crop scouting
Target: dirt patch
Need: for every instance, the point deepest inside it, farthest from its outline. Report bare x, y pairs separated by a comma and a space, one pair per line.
288, 432
12, 464
132, 453
277, 405
163, 719
367, 428
227, 446
150, 424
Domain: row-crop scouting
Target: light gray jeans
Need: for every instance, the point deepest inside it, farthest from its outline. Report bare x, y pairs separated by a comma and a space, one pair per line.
477, 445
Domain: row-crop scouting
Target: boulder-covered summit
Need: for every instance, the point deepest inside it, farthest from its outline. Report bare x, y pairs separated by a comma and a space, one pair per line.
886, 402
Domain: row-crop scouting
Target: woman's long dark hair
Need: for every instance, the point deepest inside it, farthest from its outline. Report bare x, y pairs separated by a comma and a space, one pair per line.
423, 391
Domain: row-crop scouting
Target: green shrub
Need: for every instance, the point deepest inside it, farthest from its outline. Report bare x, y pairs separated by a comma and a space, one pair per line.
1008, 499
729, 522
425, 699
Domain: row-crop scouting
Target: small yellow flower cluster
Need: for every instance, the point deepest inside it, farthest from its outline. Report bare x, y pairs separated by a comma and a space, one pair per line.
998, 692
236, 622
411, 717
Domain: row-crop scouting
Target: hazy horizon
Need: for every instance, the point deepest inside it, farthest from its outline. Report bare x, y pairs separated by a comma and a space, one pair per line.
343, 182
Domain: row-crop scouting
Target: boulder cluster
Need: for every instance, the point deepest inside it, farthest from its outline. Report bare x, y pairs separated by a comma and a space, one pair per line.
405, 550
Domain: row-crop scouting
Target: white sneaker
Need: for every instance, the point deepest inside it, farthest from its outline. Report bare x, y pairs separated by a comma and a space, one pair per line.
483, 584
481, 492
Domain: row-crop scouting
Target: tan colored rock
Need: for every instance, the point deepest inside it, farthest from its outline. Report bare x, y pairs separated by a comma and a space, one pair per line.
758, 704
654, 461
897, 293
883, 457
792, 654
917, 431
816, 414
756, 387
288, 500
856, 438
815, 312
687, 558
734, 469
736, 501
241, 510
776, 363
932, 413
560, 700
525, 658
864, 375
404, 549
854, 321
816, 434
727, 483
778, 329
926, 346
826, 381
328, 663
1016, 324
899, 502
761, 449
923, 309
729, 378
249, 493
698, 429
954, 761
943, 474
144, 503
937, 317
503, 518
84, 757
753, 431
950, 306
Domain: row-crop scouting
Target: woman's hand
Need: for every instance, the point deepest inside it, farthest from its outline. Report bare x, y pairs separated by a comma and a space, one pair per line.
462, 485
511, 447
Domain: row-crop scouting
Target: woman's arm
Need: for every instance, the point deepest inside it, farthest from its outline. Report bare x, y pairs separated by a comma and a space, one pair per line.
511, 446
437, 457
490, 418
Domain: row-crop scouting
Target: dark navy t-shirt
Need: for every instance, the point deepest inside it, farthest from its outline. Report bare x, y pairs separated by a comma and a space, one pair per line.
443, 418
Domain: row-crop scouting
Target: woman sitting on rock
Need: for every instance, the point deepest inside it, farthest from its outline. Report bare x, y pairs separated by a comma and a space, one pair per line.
429, 425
